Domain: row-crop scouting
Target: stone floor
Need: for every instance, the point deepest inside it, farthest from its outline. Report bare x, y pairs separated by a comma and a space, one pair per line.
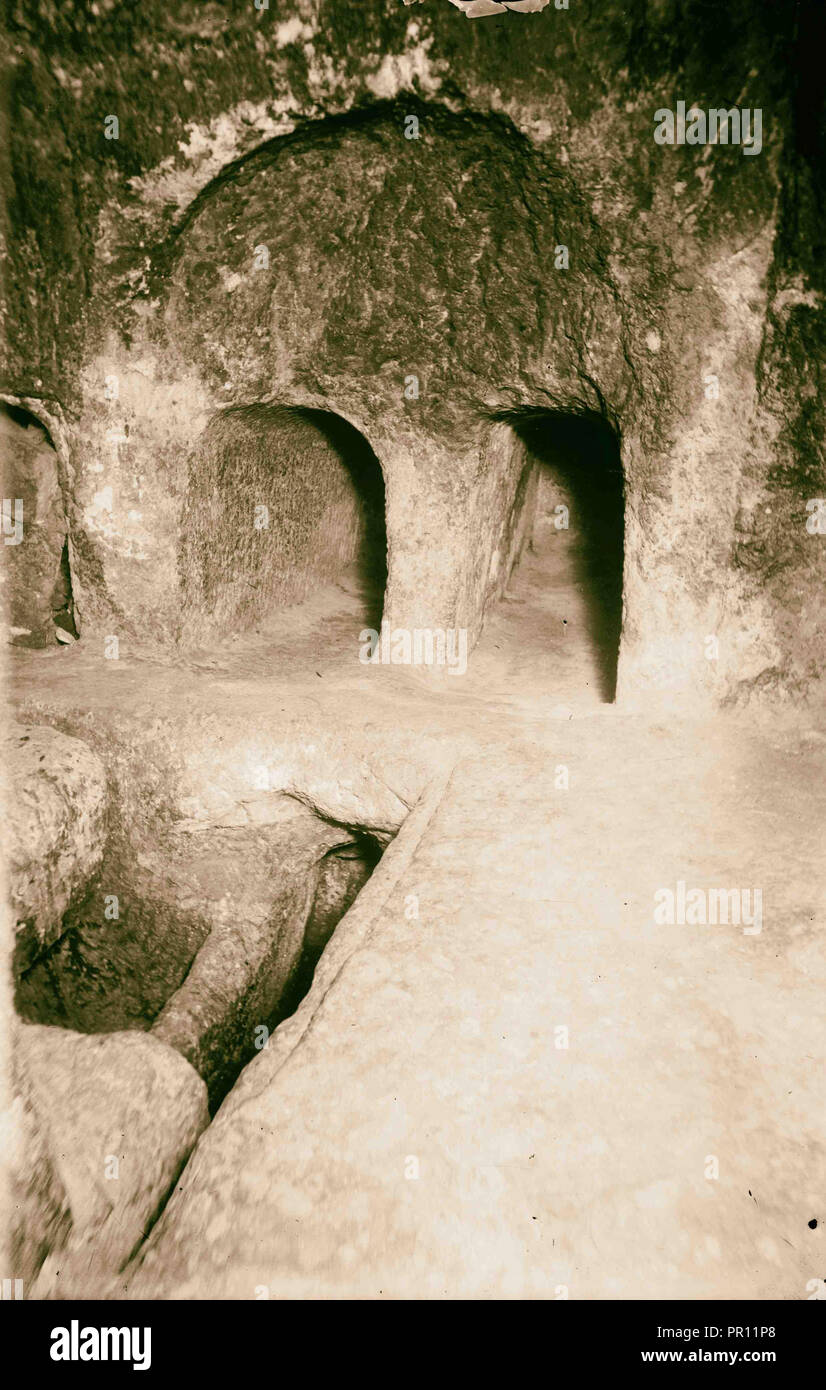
507, 1078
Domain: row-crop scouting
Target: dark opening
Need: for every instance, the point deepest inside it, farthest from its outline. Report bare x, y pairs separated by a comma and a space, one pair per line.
182, 972
344, 872
577, 542
63, 603
24, 418
39, 600
369, 564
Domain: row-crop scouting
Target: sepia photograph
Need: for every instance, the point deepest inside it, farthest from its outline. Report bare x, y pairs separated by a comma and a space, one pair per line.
413, 608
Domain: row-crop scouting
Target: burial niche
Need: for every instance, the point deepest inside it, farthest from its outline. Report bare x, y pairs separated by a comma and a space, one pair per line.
282, 501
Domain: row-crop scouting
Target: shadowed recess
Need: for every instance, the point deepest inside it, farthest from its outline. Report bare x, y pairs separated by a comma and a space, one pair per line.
580, 507
37, 599
281, 501
175, 963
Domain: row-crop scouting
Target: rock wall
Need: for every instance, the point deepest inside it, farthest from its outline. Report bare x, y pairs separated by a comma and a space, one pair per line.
107, 1124
141, 301
55, 839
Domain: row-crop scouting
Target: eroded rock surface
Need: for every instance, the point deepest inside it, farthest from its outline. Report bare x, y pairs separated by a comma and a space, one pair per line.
197, 921
56, 798
314, 492
506, 1079
262, 907
532, 1089
264, 232
109, 1122
34, 586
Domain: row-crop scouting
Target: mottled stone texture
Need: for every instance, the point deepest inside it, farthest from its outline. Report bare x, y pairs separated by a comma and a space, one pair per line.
56, 789
277, 502
261, 888
108, 1122
521, 1094
193, 898
207, 938
34, 533
391, 257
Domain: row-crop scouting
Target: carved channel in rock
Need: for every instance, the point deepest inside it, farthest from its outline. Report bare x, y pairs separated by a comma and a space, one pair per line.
215, 940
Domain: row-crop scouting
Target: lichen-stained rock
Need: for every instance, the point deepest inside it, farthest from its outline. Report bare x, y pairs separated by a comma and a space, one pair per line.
413, 288
34, 530
56, 808
162, 263
110, 1122
414, 291
432, 255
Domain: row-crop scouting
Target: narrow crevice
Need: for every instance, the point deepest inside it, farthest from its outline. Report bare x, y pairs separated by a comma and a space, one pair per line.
359, 856
63, 603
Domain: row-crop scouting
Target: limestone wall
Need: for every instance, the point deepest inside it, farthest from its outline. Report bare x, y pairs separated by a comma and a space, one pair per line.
314, 207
